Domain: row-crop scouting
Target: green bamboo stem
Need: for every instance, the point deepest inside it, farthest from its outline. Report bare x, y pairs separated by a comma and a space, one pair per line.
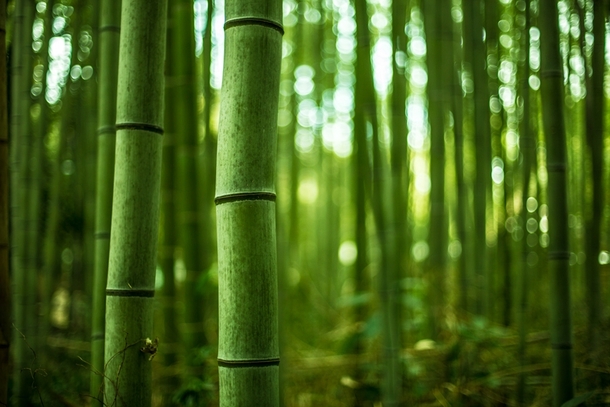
41, 132
209, 145
169, 240
295, 163
5, 299
16, 197
499, 260
389, 287
399, 151
438, 37
248, 349
595, 107
551, 73
22, 189
30, 172
181, 55
360, 174
466, 258
108, 71
476, 53
527, 146
167, 250
135, 205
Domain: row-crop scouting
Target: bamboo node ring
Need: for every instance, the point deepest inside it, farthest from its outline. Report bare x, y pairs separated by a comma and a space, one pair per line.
110, 28
252, 20
121, 292
153, 128
106, 129
249, 363
245, 196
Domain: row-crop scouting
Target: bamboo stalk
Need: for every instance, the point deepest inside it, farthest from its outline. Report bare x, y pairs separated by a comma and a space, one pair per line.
5, 301
181, 57
108, 70
130, 342
551, 87
389, 288
527, 146
20, 148
248, 349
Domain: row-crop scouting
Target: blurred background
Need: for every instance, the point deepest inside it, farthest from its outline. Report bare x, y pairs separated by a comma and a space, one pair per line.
411, 202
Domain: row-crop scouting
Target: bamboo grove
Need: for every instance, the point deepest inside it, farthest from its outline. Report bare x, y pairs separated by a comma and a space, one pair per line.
308, 202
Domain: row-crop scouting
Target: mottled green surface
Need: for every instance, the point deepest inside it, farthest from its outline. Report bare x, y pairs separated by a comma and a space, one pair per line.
248, 111
135, 208
248, 280
246, 228
245, 387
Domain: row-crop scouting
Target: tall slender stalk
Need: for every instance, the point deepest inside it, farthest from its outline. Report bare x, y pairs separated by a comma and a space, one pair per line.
527, 146
209, 148
108, 70
130, 342
169, 240
360, 175
381, 201
497, 264
595, 138
477, 56
5, 300
466, 258
248, 349
399, 152
438, 29
551, 72
21, 147
181, 57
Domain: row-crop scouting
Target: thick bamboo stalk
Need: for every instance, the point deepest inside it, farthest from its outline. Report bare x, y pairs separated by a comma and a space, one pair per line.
551, 72
130, 342
108, 71
248, 349
5, 302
